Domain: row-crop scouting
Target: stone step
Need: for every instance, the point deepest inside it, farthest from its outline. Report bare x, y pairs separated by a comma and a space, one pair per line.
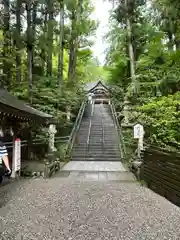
90, 153
111, 133
110, 137
97, 151
97, 159
94, 166
102, 122
103, 140
95, 147
99, 138
95, 154
84, 154
98, 176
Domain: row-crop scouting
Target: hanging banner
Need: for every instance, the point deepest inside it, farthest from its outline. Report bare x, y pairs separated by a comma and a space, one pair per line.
17, 154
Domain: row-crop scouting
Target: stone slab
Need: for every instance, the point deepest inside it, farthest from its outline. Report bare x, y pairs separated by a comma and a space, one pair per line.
94, 166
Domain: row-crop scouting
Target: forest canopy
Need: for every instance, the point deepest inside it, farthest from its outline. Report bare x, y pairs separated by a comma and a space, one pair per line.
143, 59
46, 58
46, 52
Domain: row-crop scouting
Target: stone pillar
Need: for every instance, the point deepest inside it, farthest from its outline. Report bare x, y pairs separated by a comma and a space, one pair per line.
52, 131
68, 112
126, 111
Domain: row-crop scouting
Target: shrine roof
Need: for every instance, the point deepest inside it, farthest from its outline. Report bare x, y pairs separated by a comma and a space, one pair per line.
92, 85
11, 105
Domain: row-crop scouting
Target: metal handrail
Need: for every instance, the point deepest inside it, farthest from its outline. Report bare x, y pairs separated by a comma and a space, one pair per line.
90, 124
92, 111
75, 128
115, 118
119, 130
102, 134
89, 132
102, 129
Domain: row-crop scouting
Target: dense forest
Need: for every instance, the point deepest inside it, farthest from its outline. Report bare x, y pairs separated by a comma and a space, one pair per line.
143, 59
46, 58
46, 54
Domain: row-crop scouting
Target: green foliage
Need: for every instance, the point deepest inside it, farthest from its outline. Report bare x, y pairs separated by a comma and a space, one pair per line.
161, 119
156, 46
21, 38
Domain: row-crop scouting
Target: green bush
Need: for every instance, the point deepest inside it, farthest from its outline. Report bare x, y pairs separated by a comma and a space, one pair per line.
161, 118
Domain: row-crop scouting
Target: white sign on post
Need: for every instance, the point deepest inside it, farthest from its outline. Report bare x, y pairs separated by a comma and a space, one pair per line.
139, 134
17, 155
138, 131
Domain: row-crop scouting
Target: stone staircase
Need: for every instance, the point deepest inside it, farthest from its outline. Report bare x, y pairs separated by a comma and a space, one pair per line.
95, 154
97, 139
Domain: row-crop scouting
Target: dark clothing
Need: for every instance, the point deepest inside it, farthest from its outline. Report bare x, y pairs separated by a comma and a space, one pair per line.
2, 171
3, 152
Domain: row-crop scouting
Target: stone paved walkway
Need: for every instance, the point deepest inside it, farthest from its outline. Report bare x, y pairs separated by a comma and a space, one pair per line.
94, 166
94, 170
66, 209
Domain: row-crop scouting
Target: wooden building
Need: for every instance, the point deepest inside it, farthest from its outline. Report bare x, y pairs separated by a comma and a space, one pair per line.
100, 92
15, 114
13, 110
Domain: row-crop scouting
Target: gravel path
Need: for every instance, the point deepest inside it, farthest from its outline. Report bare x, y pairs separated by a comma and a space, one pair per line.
67, 209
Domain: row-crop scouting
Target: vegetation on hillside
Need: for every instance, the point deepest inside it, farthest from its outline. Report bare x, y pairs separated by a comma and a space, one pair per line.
46, 58
46, 54
143, 58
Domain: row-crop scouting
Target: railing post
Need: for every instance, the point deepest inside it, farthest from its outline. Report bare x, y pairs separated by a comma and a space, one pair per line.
115, 119
16, 158
75, 128
102, 128
92, 108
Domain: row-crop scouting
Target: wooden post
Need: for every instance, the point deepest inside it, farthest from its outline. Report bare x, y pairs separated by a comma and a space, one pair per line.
16, 159
13, 175
140, 146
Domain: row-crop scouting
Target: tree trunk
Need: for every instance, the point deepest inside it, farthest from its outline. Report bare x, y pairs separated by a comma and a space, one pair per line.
76, 17
171, 41
130, 50
71, 46
29, 49
131, 53
50, 37
61, 43
34, 16
6, 45
18, 41
43, 52
177, 42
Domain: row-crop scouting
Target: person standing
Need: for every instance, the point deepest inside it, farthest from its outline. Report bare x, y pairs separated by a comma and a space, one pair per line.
4, 161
